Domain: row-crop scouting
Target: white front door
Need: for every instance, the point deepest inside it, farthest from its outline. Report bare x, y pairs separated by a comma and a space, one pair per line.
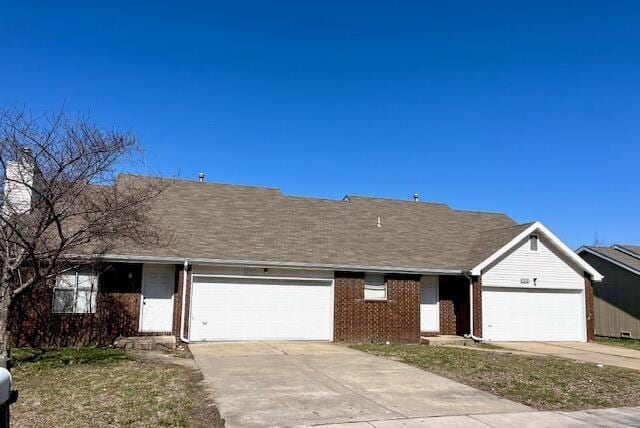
261, 309
157, 298
429, 306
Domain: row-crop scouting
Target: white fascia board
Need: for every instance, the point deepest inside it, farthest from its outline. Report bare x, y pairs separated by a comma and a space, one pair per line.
539, 227
274, 264
607, 258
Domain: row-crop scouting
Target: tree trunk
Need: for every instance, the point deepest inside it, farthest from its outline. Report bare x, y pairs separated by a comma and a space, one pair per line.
5, 333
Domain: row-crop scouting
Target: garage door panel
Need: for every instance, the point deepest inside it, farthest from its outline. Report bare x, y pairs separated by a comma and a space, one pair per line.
252, 309
526, 314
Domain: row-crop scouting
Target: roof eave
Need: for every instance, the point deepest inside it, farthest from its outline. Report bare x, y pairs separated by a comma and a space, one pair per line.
608, 259
275, 264
539, 227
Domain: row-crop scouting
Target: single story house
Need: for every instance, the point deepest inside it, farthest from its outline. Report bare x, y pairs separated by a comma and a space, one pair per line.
617, 297
250, 263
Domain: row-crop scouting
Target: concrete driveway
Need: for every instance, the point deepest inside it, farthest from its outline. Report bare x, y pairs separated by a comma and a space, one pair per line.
259, 384
586, 352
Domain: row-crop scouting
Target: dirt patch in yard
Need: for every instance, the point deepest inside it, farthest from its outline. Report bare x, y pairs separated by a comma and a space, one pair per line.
539, 381
105, 387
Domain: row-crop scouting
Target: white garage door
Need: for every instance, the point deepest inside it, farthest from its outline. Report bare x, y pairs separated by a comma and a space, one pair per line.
523, 314
261, 309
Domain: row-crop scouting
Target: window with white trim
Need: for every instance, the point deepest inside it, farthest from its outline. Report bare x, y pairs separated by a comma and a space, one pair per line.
533, 243
75, 292
375, 287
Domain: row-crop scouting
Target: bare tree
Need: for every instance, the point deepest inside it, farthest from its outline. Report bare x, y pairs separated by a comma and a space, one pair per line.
63, 202
598, 241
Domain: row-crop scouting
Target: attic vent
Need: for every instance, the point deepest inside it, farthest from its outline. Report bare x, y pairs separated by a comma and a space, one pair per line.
416, 197
201, 177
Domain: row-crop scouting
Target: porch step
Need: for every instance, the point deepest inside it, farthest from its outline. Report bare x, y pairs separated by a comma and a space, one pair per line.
445, 340
146, 343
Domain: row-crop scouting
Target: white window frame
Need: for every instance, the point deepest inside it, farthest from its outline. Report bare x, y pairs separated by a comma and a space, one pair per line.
63, 277
373, 284
534, 241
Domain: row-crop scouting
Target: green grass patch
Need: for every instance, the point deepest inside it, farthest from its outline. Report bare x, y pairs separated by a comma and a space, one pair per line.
622, 343
542, 382
66, 356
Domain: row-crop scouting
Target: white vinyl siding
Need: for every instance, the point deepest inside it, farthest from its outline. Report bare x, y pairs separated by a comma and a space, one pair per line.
375, 287
546, 266
533, 294
252, 308
75, 292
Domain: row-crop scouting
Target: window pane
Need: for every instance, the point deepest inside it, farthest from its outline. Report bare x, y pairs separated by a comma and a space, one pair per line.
371, 279
63, 300
85, 302
67, 279
86, 278
375, 294
375, 287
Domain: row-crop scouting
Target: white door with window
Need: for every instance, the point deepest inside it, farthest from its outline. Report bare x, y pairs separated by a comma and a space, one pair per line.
429, 304
158, 283
261, 309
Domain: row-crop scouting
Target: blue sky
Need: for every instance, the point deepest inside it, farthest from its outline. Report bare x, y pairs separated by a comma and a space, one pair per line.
530, 108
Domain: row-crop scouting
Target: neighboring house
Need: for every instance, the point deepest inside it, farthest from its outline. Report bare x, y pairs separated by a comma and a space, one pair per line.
617, 297
249, 263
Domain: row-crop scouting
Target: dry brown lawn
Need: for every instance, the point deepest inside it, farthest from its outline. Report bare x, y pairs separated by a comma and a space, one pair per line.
539, 381
106, 388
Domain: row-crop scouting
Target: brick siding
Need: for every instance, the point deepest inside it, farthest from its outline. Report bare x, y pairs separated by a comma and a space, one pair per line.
588, 295
177, 305
477, 306
396, 319
117, 313
454, 305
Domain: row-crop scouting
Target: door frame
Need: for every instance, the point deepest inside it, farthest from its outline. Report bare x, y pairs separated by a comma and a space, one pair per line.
142, 286
437, 297
258, 277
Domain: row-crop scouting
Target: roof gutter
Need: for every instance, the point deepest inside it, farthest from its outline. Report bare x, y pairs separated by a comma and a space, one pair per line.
470, 335
276, 264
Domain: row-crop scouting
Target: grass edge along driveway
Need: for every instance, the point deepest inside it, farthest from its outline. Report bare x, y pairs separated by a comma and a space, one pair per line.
545, 383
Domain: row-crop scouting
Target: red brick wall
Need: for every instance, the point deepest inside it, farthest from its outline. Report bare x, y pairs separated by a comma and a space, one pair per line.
588, 294
177, 305
396, 319
454, 305
117, 313
477, 306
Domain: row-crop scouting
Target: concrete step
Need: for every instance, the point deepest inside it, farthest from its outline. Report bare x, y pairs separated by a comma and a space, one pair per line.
444, 340
146, 343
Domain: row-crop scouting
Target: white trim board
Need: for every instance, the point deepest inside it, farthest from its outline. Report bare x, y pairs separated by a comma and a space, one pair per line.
539, 227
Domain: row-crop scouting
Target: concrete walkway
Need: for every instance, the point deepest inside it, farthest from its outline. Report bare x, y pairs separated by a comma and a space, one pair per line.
586, 352
622, 417
284, 384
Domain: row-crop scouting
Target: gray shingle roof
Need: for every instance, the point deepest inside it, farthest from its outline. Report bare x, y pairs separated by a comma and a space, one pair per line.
632, 248
618, 256
241, 223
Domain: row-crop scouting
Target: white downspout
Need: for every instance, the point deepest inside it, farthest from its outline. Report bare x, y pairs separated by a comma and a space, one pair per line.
470, 335
185, 272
